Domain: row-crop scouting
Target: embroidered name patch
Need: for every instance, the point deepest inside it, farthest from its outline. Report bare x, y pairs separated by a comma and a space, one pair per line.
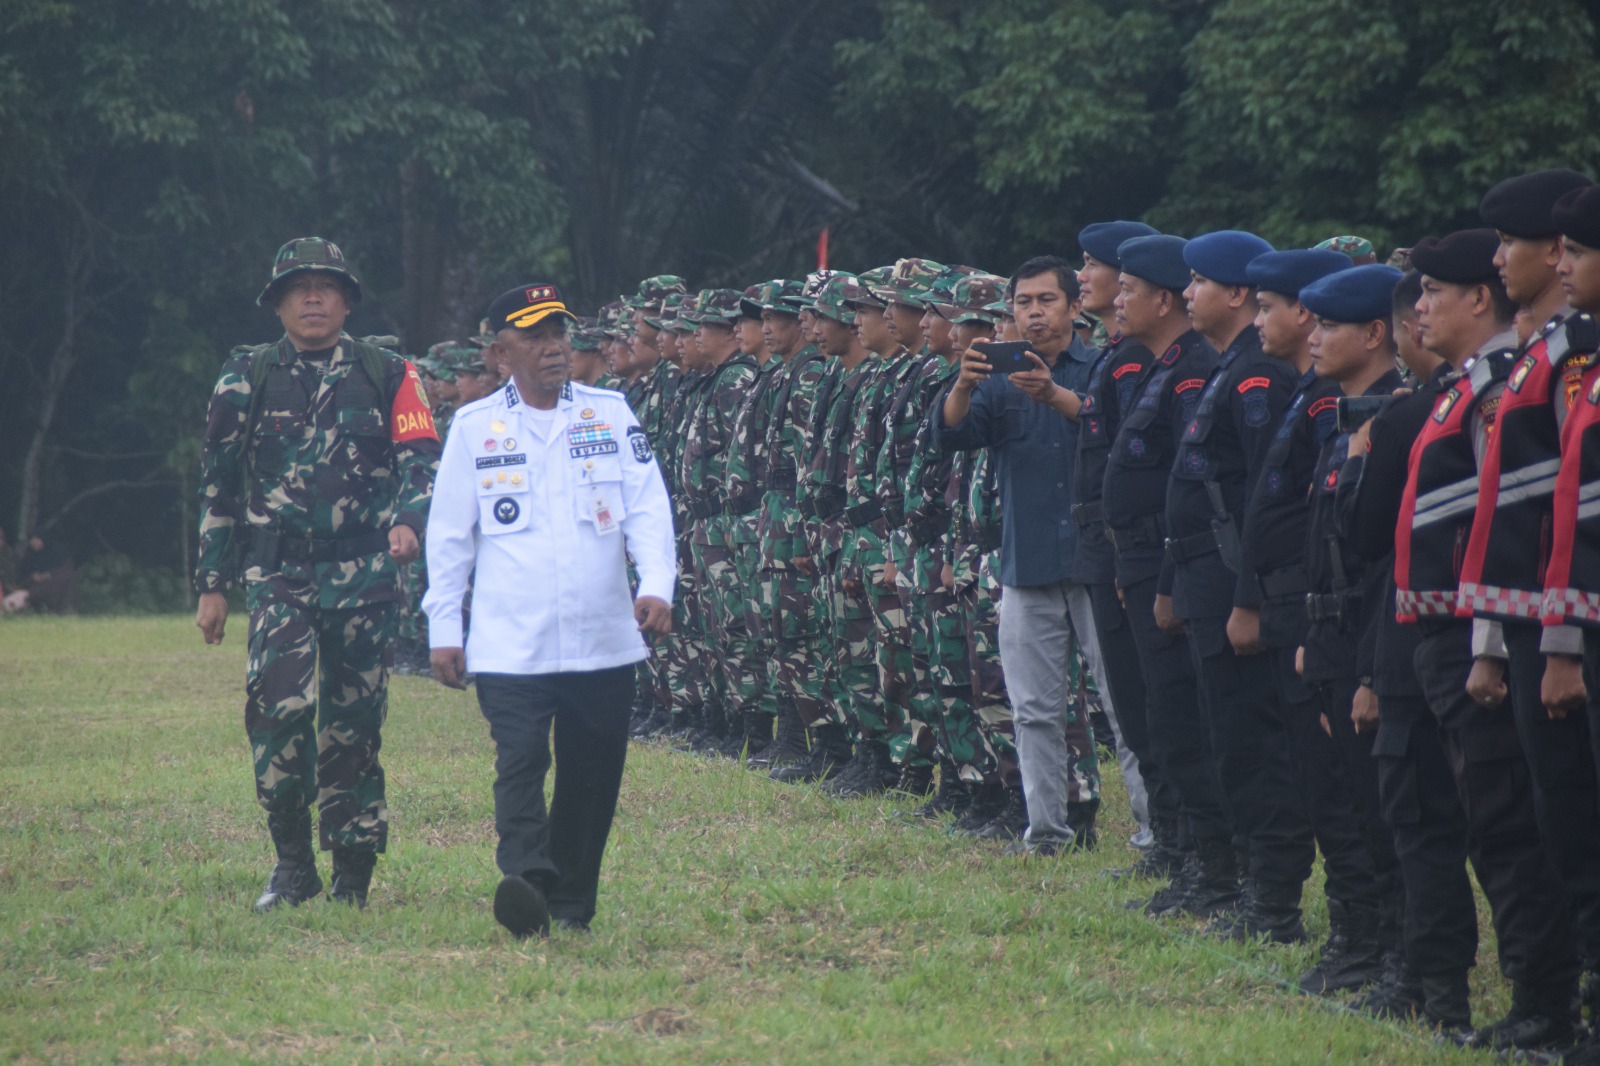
487, 461
584, 451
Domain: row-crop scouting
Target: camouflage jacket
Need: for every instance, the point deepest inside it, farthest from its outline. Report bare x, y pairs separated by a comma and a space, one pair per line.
333, 463
610, 381
865, 519
672, 430
443, 415
975, 531
747, 448
842, 398
703, 466
788, 441
917, 468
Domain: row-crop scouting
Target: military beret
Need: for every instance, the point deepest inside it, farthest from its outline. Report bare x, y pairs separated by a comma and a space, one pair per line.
1522, 206
1577, 215
1287, 272
1465, 257
1224, 256
1100, 240
1157, 259
1352, 247
526, 306
1355, 294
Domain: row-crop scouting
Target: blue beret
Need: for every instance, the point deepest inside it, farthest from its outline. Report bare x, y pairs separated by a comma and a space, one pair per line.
1286, 273
1355, 294
1157, 259
1224, 256
1101, 239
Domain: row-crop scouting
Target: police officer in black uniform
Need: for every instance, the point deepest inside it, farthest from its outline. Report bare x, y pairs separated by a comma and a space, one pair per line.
1150, 310
1241, 686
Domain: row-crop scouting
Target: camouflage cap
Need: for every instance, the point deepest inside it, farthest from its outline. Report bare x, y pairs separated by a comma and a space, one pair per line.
608, 319
758, 296
585, 335
909, 282
652, 291
715, 306
1357, 248
672, 309
974, 296
938, 295
309, 253
837, 298
782, 298
807, 297
440, 361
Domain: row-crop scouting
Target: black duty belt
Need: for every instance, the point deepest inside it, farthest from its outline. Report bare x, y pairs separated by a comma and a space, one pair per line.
1089, 514
823, 507
704, 509
1330, 606
1289, 583
269, 549
864, 514
780, 481
742, 504
1148, 531
1197, 546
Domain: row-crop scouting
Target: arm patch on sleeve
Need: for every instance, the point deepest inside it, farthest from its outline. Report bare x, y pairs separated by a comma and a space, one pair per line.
411, 417
640, 443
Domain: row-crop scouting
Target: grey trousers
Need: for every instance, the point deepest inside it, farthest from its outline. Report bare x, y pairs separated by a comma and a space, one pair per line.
1055, 749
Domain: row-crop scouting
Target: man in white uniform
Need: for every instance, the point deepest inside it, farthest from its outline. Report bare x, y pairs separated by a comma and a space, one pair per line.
546, 487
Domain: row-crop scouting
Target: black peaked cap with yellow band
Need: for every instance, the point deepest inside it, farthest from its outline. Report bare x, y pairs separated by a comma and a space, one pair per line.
526, 306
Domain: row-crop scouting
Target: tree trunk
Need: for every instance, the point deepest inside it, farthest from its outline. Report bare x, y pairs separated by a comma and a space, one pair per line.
62, 360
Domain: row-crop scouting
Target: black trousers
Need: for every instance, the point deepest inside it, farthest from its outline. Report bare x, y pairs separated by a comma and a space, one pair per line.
1532, 919
560, 850
1178, 736
1125, 678
1418, 794
1561, 759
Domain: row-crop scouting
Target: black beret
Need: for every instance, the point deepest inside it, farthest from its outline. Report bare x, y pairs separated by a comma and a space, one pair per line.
1577, 215
1101, 239
1465, 257
1522, 206
526, 306
1286, 273
1355, 294
1157, 259
1224, 256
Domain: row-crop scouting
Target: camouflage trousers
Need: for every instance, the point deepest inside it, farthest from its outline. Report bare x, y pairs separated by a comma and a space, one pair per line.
939, 630
738, 676
918, 743
979, 604
682, 668
799, 662
747, 602
316, 696
852, 662
412, 632
891, 645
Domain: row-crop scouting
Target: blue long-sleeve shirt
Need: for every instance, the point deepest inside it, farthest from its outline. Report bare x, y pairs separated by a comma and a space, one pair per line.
1034, 448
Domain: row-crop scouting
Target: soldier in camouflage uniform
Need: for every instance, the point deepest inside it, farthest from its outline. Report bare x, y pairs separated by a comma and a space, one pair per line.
589, 364
316, 472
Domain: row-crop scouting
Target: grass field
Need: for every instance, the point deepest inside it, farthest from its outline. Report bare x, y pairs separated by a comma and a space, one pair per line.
740, 920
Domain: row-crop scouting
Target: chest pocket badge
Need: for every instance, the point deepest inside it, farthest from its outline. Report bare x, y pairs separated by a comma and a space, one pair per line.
502, 502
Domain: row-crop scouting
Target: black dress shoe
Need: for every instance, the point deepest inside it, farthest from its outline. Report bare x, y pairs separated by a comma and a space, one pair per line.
520, 907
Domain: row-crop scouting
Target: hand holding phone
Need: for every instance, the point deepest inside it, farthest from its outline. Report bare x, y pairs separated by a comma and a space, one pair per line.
1007, 357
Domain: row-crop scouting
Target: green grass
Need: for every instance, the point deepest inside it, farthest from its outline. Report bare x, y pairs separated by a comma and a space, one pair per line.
740, 920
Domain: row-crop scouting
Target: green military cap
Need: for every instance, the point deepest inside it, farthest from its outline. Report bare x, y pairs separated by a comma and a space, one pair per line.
584, 335
807, 297
716, 306
672, 309
836, 299
871, 280
782, 299
908, 282
468, 358
652, 291
973, 297
611, 317
440, 361
758, 297
305, 254
938, 295
1359, 249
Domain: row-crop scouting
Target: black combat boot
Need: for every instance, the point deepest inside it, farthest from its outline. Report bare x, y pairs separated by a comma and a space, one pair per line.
294, 879
869, 773
1215, 887
352, 876
1081, 815
1270, 910
952, 797
788, 747
757, 734
680, 727
915, 780
715, 734
1170, 898
1397, 996
1163, 857
1446, 1003
988, 800
1351, 957
1541, 1019
830, 751
1010, 823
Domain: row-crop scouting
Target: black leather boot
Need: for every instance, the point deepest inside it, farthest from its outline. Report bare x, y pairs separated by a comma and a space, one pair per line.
1351, 957
1162, 860
1446, 1002
1081, 815
1396, 997
294, 879
915, 780
1270, 910
1541, 1019
830, 750
352, 876
1010, 823
1215, 887
953, 795
988, 800
788, 747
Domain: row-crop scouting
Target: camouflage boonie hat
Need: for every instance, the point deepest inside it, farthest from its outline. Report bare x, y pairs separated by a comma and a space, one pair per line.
609, 319
938, 296
466, 358
440, 362
973, 298
783, 298
717, 306
652, 291
672, 310
837, 298
758, 297
1400, 259
584, 335
909, 282
1357, 248
305, 254
809, 289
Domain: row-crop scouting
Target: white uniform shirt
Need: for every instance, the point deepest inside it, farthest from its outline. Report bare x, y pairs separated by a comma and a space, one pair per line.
544, 510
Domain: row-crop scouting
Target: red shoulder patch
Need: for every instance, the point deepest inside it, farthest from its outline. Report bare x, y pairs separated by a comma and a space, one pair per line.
1251, 384
411, 418
1322, 405
1188, 386
1125, 369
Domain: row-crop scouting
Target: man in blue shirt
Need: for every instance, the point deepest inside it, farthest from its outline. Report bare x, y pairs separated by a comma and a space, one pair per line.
1044, 596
